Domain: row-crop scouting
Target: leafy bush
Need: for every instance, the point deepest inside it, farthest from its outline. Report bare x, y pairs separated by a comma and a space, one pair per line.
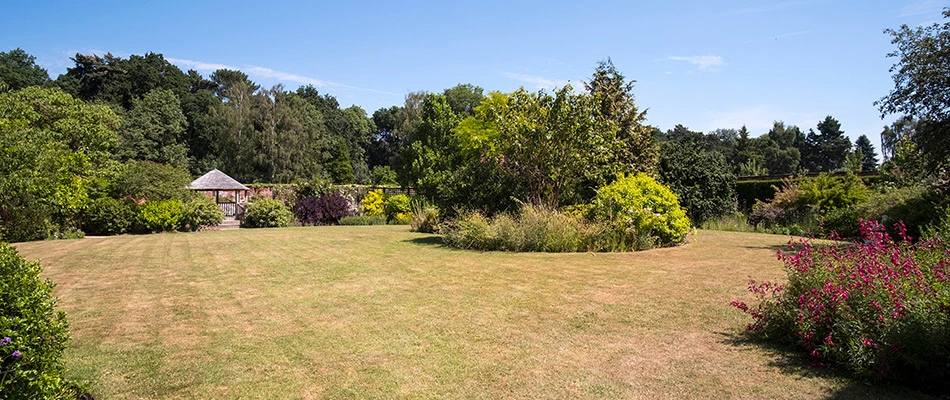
151, 181
108, 216
915, 206
323, 210
33, 333
750, 192
398, 210
268, 213
425, 218
880, 307
827, 192
201, 211
374, 203
363, 220
636, 206
161, 215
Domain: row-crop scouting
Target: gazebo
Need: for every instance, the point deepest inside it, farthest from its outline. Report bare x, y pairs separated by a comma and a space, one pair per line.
230, 194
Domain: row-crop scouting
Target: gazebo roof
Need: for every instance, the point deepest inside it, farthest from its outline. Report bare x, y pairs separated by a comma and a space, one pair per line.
216, 180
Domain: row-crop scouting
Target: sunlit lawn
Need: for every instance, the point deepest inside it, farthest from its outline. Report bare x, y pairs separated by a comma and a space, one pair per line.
379, 312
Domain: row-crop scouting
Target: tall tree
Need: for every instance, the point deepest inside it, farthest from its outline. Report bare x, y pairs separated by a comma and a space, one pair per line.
922, 87
154, 130
463, 98
19, 70
903, 127
863, 144
827, 148
780, 148
615, 99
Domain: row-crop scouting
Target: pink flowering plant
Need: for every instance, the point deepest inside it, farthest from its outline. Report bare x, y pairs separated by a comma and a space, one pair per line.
879, 307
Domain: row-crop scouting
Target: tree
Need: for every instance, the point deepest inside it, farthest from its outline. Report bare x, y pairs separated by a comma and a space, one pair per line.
154, 130
780, 148
19, 70
558, 146
463, 98
893, 134
922, 87
702, 181
113, 80
433, 154
52, 144
869, 162
616, 103
828, 148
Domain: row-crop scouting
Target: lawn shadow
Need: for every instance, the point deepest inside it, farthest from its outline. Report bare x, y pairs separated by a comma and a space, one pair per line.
791, 362
427, 240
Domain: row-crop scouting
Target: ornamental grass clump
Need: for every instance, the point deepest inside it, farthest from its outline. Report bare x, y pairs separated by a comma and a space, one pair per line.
880, 307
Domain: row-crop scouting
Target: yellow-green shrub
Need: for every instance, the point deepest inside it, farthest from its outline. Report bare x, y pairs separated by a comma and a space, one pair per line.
374, 203
637, 205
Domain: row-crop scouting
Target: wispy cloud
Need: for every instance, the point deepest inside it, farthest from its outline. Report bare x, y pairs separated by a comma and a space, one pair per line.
264, 72
763, 8
790, 34
702, 62
538, 81
922, 8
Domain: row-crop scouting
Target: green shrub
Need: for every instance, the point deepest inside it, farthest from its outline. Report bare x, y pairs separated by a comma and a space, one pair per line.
199, 212
267, 213
151, 181
703, 182
471, 230
749, 192
363, 220
915, 206
398, 210
827, 192
637, 205
384, 175
33, 333
161, 215
108, 216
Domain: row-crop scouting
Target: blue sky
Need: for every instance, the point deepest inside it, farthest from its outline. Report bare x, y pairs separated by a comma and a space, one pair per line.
702, 64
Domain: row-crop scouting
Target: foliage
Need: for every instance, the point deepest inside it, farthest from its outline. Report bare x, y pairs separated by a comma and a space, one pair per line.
703, 182
533, 228
52, 143
638, 206
878, 307
200, 211
424, 218
108, 216
750, 192
383, 175
316, 187
914, 206
922, 88
869, 161
363, 220
33, 333
19, 70
268, 213
556, 147
828, 148
398, 209
614, 94
324, 210
161, 215
151, 181
827, 192
153, 130
374, 203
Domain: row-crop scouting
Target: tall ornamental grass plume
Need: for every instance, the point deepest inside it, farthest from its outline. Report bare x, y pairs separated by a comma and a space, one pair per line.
879, 308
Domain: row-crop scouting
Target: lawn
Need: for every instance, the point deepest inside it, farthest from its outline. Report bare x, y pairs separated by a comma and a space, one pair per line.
379, 312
